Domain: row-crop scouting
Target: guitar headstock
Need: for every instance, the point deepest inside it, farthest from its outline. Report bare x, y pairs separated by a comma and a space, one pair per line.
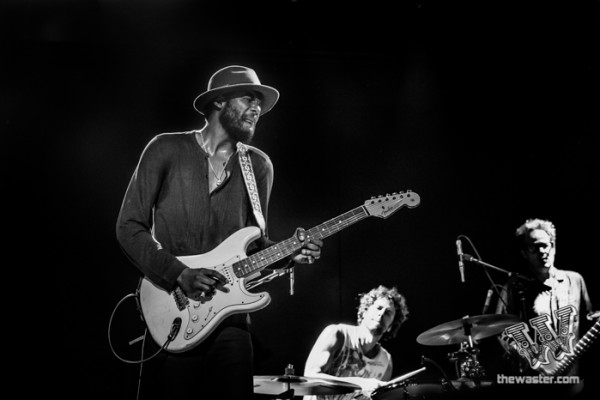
384, 206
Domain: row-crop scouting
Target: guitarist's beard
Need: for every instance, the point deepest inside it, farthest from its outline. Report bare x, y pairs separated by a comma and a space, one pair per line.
235, 125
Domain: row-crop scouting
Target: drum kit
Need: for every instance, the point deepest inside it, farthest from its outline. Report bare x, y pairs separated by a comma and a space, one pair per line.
289, 385
469, 382
466, 332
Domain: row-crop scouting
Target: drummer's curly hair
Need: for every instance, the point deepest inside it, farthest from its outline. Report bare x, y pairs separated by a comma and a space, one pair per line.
367, 299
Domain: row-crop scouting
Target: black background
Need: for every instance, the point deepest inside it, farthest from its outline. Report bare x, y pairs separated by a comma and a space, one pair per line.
488, 110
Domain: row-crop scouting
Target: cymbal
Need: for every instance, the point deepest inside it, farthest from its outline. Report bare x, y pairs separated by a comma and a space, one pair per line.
302, 386
480, 326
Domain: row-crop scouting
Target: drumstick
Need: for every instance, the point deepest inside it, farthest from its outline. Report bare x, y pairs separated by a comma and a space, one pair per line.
406, 376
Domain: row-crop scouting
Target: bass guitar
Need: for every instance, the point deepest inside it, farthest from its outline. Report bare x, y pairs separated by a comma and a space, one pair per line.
179, 323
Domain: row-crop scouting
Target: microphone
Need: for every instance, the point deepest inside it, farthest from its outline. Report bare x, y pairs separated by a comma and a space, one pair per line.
461, 264
292, 280
488, 300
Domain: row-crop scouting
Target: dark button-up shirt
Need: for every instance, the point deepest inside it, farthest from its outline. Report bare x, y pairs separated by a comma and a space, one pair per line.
168, 210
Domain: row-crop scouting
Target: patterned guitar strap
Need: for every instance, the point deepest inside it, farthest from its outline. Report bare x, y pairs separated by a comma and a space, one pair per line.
248, 173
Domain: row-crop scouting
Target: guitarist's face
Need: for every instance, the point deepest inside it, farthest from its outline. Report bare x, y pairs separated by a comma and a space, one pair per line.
240, 115
540, 250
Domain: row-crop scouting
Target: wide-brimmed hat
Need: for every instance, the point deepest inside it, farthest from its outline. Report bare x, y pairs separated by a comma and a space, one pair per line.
234, 78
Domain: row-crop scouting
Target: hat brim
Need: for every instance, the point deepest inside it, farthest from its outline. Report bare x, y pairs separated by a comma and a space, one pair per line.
269, 96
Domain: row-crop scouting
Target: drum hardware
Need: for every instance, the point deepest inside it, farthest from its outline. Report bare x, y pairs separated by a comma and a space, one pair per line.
467, 329
413, 389
425, 360
406, 387
466, 332
288, 385
467, 363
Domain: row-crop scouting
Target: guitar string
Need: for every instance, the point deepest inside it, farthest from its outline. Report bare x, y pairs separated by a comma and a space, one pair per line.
274, 254
286, 245
270, 255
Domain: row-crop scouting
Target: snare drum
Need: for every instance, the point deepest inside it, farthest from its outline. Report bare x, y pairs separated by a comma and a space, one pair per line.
412, 390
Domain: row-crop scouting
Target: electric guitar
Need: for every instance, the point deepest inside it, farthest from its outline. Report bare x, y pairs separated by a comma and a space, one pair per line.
557, 368
179, 323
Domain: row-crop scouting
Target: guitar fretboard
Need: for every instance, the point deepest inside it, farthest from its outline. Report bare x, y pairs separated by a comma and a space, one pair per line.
582, 345
279, 251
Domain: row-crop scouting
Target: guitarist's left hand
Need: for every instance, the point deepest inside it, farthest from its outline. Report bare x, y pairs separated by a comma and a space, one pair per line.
311, 249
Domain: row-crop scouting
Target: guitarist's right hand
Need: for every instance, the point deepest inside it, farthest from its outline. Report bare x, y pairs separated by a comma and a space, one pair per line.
201, 283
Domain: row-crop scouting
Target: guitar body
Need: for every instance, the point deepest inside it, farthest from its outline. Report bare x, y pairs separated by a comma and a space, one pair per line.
160, 308
179, 323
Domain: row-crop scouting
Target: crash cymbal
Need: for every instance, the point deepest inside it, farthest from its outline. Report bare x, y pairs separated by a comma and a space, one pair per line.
480, 327
302, 386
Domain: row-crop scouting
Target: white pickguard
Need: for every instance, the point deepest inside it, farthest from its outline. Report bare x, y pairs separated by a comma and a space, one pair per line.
199, 319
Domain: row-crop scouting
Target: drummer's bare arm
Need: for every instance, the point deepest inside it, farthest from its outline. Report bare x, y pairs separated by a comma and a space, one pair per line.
330, 340
388, 372
320, 358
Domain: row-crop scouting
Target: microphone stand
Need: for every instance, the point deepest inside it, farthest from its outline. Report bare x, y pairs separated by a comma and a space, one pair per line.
521, 278
470, 258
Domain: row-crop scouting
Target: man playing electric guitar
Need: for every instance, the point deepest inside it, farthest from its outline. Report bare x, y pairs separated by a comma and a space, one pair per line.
555, 303
187, 195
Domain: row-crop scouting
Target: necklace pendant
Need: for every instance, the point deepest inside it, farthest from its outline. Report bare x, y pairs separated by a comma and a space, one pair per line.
219, 182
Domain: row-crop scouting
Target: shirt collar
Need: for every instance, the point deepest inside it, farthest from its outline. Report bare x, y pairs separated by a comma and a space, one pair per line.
557, 274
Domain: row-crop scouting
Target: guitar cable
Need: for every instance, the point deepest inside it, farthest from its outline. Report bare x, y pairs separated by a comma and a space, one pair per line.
176, 325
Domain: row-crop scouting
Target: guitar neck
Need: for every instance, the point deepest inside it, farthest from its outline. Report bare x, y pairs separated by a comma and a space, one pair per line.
279, 251
582, 345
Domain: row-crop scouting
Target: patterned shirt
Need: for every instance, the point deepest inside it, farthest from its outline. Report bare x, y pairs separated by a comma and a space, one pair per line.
350, 361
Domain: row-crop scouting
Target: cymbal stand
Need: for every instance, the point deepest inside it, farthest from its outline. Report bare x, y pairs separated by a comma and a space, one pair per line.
288, 377
466, 359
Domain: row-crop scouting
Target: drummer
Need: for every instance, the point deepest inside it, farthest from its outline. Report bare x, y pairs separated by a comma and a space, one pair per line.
353, 353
